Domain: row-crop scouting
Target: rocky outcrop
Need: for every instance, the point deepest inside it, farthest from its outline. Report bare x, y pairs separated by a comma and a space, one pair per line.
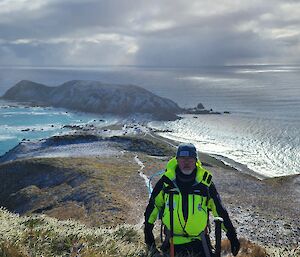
96, 97
199, 109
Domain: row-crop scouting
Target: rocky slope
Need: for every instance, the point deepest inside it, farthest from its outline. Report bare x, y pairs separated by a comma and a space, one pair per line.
96, 97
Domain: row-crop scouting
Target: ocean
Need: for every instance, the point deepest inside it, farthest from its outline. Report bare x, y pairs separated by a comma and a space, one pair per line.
22, 123
259, 136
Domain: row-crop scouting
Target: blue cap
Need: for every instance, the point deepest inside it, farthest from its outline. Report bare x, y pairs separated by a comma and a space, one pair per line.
186, 150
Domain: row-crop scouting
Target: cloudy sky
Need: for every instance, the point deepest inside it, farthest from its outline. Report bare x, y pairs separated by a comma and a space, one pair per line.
149, 32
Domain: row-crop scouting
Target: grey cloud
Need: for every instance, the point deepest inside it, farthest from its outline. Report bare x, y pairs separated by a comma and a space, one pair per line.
203, 48
166, 32
27, 54
65, 53
65, 17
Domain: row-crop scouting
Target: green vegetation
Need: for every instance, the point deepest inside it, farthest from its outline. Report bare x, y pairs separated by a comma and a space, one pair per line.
148, 145
86, 189
40, 235
72, 139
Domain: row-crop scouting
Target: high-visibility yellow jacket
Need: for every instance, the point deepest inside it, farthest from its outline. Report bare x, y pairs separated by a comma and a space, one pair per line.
201, 197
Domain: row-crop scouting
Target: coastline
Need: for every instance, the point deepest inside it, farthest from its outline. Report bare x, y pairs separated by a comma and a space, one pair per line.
258, 208
238, 161
246, 142
212, 159
220, 160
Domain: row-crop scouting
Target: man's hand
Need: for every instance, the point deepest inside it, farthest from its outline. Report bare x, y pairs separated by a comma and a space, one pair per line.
234, 242
150, 241
153, 252
235, 245
149, 237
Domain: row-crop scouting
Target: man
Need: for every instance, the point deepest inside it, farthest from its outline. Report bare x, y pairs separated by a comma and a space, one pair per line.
193, 193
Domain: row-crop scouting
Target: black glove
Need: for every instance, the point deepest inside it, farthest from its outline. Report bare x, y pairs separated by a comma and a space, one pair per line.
234, 242
153, 252
149, 237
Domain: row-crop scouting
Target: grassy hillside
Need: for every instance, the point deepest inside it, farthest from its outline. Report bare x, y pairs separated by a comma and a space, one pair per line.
93, 191
39, 235
105, 196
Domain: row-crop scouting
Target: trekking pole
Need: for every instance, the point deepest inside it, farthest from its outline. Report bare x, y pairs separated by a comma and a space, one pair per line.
218, 235
171, 208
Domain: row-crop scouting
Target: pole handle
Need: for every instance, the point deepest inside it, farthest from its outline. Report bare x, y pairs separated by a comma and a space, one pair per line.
218, 235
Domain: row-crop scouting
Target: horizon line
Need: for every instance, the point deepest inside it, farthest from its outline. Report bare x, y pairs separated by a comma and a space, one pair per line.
146, 66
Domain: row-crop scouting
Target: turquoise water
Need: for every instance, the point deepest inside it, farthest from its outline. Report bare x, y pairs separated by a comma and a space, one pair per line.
262, 131
19, 123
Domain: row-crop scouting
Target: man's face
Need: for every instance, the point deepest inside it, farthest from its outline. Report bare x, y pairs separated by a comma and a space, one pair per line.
186, 164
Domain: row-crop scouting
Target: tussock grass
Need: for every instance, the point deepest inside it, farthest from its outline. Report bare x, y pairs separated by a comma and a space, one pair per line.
147, 145
40, 235
248, 249
9, 250
87, 189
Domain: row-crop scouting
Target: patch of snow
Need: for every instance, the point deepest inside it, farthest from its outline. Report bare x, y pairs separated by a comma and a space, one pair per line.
146, 179
36, 150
